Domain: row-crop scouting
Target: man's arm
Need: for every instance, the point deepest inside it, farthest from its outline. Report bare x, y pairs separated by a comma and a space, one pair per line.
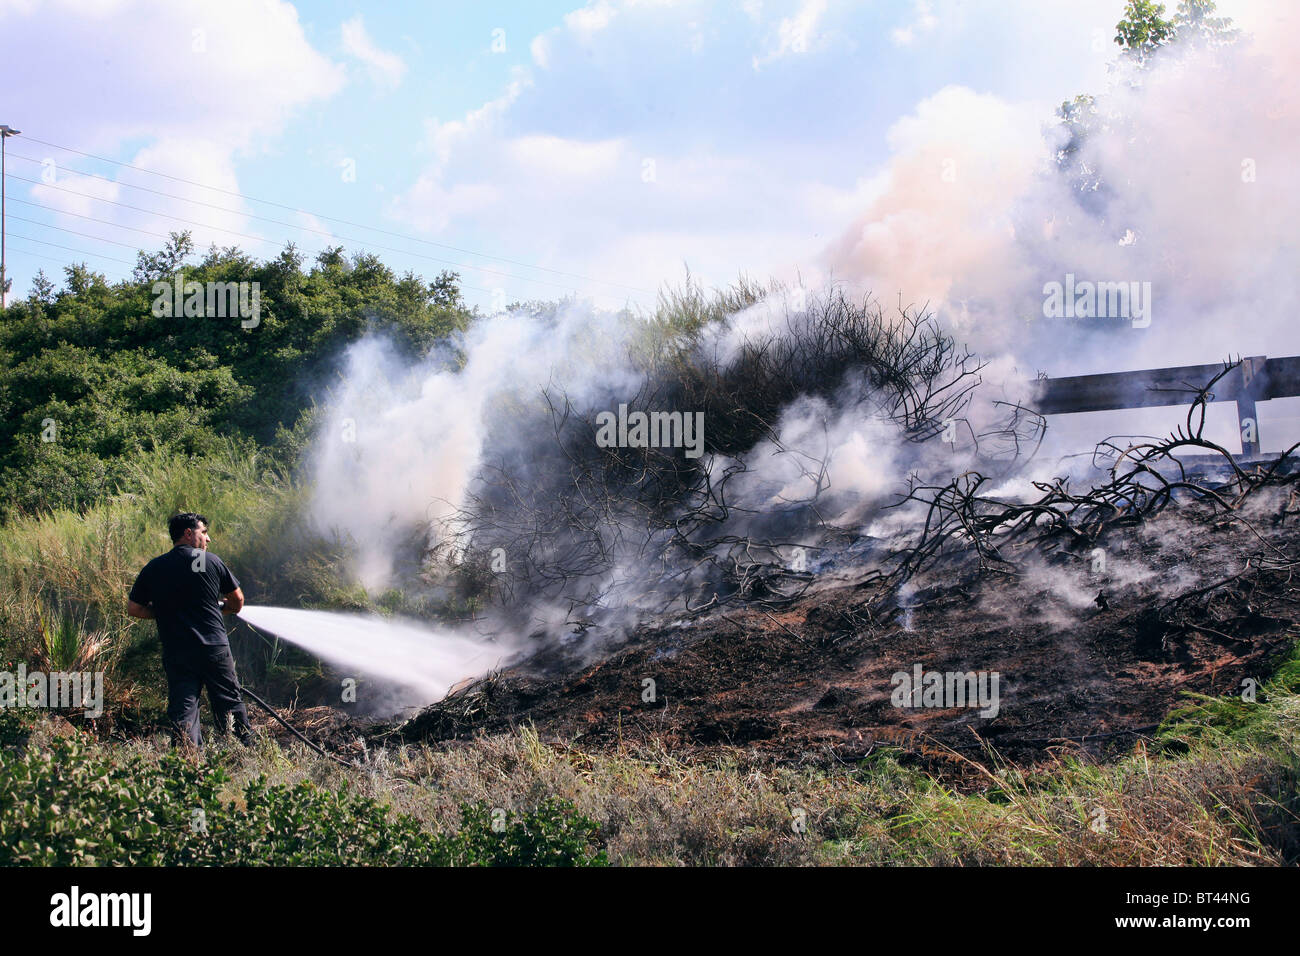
141, 595
234, 602
139, 610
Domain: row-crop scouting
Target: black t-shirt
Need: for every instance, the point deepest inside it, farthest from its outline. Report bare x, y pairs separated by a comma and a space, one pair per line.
183, 586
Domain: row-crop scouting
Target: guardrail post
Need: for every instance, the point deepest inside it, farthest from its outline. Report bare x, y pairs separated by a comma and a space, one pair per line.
1253, 381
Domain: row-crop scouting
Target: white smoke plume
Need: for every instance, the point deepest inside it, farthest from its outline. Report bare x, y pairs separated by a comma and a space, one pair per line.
1196, 198
401, 442
972, 218
406, 448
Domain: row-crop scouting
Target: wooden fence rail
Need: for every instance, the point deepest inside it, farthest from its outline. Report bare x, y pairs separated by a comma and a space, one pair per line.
1256, 379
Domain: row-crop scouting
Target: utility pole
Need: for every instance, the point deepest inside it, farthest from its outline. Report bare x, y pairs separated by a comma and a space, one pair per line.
5, 133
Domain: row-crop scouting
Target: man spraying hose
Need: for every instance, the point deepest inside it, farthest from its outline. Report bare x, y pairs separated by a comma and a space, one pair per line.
182, 590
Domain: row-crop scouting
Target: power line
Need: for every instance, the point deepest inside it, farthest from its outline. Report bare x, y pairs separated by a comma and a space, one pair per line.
346, 222
234, 232
80, 252
37, 255
85, 235
146, 232
106, 222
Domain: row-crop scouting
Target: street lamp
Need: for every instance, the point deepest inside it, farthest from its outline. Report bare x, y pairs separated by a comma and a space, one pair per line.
5, 133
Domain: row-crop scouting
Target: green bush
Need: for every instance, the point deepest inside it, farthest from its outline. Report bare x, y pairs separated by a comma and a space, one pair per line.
91, 379
551, 835
15, 725
77, 804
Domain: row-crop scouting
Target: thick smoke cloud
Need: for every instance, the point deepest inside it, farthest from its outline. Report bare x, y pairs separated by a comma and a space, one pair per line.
1195, 202
972, 218
489, 438
401, 441
1197, 198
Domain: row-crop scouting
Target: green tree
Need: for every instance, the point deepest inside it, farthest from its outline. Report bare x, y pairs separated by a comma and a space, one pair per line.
80, 279
1143, 29
42, 288
119, 382
1141, 34
151, 267
445, 290
1195, 26
332, 258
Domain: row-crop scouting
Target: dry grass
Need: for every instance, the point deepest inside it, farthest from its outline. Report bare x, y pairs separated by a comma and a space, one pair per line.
1215, 805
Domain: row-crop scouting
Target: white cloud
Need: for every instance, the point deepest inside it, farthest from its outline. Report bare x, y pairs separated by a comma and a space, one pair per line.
432, 207
540, 50
386, 69
197, 83
226, 73
81, 195
650, 195
923, 21
591, 19
641, 140
795, 35
552, 155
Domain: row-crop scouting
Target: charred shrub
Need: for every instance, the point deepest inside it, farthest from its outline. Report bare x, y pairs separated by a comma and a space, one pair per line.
584, 519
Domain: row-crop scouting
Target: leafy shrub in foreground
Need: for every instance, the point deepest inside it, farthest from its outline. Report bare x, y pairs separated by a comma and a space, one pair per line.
15, 725
78, 805
551, 835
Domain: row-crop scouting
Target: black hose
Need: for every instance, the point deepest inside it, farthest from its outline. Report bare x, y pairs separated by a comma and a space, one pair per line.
288, 726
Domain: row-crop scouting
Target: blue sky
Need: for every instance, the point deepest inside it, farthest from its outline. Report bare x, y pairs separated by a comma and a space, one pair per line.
602, 151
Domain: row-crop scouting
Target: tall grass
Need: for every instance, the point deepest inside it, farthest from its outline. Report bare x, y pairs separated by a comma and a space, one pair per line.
65, 575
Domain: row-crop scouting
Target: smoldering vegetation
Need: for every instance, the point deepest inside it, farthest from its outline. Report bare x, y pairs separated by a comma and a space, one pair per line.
809, 416
841, 438
1133, 480
834, 432
1100, 608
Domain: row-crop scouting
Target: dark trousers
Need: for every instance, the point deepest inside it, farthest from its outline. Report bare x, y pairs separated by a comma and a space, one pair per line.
189, 670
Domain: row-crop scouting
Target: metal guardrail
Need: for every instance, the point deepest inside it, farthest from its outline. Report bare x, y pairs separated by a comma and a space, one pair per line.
1256, 379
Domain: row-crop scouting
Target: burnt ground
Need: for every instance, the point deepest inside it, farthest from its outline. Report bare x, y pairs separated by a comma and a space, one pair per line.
328, 727
1189, 602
